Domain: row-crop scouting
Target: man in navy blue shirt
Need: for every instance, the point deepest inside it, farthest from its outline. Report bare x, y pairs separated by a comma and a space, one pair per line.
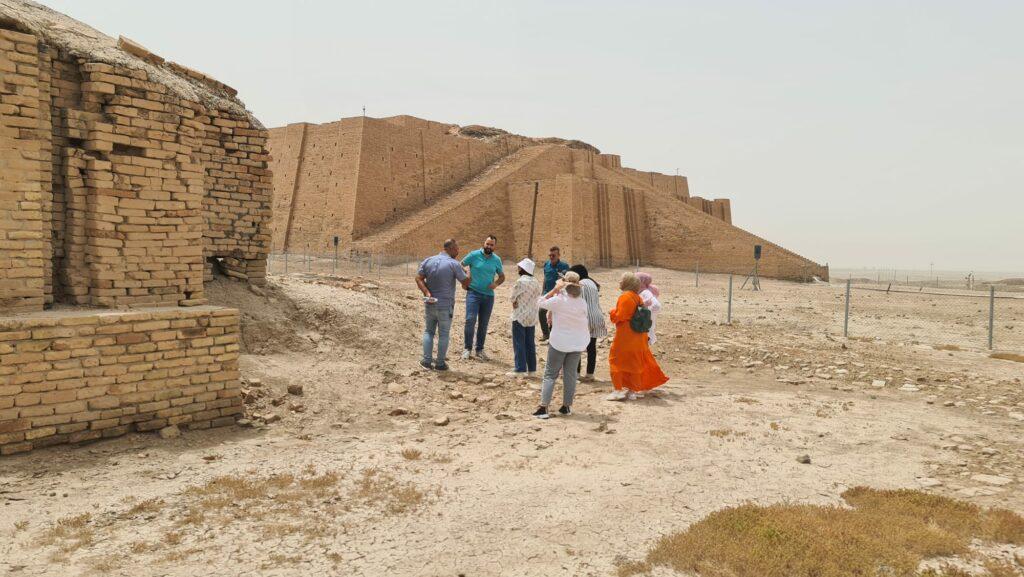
553, 269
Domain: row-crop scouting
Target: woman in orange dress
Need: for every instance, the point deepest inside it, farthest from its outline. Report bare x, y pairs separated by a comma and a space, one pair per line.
633, 367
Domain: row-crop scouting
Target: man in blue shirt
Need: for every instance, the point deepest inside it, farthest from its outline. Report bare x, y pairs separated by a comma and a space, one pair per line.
553, 269
436, 280
483, 267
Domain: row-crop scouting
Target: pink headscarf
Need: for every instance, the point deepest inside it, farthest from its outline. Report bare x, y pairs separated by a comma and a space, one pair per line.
645, 283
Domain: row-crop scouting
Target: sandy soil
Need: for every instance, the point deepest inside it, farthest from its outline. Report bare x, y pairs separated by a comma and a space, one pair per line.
446, 474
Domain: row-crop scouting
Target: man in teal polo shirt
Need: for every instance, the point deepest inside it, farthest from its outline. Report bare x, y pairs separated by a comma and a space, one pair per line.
483, 267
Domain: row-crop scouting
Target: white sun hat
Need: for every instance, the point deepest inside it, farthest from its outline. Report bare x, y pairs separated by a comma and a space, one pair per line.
527, 265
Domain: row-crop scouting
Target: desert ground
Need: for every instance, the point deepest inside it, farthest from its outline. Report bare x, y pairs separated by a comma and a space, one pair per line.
352, 460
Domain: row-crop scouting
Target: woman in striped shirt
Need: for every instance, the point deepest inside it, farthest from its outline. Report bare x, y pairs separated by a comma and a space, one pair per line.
595, 318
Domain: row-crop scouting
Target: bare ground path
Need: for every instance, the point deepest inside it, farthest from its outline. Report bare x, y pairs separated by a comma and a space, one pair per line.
494, 492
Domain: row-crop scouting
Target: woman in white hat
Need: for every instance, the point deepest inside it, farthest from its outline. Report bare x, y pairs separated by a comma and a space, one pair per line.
570, 334
524, 318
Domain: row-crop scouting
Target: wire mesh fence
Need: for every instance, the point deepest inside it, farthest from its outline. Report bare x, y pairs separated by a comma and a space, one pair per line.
955, 315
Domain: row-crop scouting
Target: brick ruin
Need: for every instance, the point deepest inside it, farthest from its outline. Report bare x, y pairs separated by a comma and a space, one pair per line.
124, 180
401, 185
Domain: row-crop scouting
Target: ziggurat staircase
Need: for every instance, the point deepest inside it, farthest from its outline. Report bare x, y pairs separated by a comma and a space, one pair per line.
497, 171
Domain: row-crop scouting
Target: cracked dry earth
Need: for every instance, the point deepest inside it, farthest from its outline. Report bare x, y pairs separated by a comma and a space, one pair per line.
372, 466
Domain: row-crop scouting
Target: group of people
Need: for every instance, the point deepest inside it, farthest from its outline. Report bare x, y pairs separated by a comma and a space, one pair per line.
567, 307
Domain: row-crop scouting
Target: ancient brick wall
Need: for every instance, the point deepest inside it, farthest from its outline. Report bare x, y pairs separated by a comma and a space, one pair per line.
687, 236
139, 185
315, 168
23, 171
350, 178
77, 376
121, 177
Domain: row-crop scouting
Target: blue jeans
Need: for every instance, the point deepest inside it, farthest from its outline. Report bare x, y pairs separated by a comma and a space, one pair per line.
437, 319
478, 308
524, 348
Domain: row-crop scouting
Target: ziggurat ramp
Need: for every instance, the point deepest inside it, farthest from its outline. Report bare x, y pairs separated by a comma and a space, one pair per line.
402, 185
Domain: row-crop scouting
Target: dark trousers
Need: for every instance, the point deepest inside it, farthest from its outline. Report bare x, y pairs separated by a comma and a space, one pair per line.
524, 348
542, 316
591, 358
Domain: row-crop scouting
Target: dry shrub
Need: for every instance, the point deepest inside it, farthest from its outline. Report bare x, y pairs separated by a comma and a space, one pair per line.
1007, 357
883, 532
411, 454
149, 506
747, 400
381, 489
69, 534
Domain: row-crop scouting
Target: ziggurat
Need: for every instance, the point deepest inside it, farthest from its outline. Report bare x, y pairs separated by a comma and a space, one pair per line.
401, 185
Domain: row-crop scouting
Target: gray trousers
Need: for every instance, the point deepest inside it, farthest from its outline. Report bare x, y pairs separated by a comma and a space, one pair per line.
568, 364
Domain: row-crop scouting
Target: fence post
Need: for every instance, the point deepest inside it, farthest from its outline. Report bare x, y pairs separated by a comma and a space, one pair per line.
991, 313
728, 314
846, 314
334, 268
307, 258
696, 282
285, 263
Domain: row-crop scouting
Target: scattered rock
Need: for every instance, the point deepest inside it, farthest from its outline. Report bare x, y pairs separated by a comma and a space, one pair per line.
804, 459
271, 418
171, 432
295, 389
929, 482
244, 422
992, 480
442, 421
909, 388
398, 411
504, 416
454, 395
878, 384
397, 389
989, 451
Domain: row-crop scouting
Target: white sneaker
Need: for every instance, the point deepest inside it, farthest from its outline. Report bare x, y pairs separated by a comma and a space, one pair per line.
531, 374
482, 355
467, 354
631, 396
516, 374
616, 396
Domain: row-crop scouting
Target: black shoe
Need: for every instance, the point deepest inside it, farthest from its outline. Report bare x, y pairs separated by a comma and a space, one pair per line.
541, 413
426, 365
565, 411
441, 367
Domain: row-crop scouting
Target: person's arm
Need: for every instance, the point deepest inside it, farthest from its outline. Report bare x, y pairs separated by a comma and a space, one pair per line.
462, 277
517, 291
421, 282
498, 283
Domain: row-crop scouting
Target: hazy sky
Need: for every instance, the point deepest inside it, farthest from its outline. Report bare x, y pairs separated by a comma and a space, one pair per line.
859, 133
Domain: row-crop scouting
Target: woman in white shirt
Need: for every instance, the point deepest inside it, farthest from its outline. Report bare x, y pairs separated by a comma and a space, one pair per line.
570, 334
649, 294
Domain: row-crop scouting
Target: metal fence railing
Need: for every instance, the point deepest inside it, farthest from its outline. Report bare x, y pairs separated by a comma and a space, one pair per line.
979, 317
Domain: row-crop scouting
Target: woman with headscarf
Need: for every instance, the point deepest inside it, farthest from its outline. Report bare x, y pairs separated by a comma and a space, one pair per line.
650, 293
595, 318
632, 365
